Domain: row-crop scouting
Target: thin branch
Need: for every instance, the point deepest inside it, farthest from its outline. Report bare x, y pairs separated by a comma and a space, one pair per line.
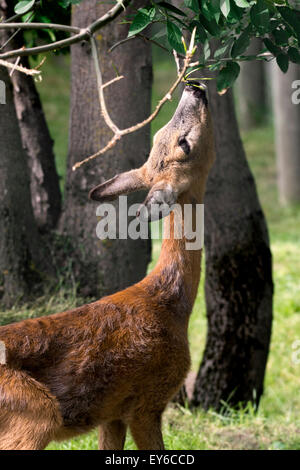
79, 36
109, 16
103, 108
47, 47
177, 61
15, 65
15, 33
119, 133
263, 55
20, 68
141, 36
116, 79
58, 27
9, 39
121, 42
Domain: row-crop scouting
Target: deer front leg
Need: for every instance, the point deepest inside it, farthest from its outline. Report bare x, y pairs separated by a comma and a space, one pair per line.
146, 432
112, 435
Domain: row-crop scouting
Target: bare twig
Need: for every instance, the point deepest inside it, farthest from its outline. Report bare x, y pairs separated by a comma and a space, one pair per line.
119, 133
119, 43
177, 61
58, 27
104, 111
116, 79
263, 55
15, 33
20, 68
144, 38
14, 67
81, 34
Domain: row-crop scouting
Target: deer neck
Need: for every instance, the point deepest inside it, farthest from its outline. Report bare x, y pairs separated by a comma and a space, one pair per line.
175, 279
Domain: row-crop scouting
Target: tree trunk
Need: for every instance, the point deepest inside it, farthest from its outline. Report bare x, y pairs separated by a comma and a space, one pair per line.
20, 256
287, 132
37, 142
251, 86
105, 266
239, 284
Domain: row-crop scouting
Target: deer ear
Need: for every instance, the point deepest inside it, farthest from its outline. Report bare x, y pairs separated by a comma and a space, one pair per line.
124, 183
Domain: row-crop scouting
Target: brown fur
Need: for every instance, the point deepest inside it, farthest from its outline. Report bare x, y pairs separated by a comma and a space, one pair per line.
116, 362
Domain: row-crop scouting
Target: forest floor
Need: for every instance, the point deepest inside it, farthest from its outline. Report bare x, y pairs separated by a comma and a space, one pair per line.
276, 425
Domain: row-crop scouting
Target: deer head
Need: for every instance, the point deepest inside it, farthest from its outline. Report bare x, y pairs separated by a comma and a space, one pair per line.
178, 163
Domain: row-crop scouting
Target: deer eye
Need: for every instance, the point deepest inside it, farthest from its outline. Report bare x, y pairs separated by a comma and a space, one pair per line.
183, 143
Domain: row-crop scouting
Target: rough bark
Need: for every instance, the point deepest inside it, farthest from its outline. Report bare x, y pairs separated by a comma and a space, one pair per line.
37, 142
104, 267
238, 273
287, 132
20, 255
251, 87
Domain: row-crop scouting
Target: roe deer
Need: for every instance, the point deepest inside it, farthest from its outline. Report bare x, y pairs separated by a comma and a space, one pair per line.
116, 362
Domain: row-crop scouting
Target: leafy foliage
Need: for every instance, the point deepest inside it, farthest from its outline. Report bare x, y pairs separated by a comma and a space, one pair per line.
45, 11
231, 24
224, 29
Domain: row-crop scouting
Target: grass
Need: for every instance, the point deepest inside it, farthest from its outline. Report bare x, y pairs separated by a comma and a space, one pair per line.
276, 425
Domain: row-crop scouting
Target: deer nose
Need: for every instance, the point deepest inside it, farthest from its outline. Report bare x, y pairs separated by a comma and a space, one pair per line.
198, 89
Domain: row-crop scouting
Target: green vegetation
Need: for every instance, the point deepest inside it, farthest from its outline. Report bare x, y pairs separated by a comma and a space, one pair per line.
277, 423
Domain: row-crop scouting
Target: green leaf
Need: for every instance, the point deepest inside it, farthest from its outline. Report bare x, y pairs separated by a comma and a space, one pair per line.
24, 6
283, 62
207, 11
192, 5
236, 13
170, 7
206, 51
281, 36
174, 37
221, 51
275, 50
241, 43
210, 26
225, 7
215, 66
291, 18
51, 34
294, 55
227, 76
260, 16
141, 20
241, 3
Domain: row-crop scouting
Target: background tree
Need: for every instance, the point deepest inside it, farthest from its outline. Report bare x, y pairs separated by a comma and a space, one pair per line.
251, 86
287, 134
21, 257
238, 277
38, 144
36, 139
103, 267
